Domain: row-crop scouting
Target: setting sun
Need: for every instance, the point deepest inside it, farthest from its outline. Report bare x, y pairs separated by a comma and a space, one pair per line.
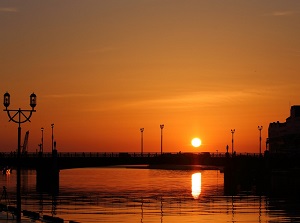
196, 142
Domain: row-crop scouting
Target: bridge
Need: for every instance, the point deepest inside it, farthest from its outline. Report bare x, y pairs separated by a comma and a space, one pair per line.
266, 173
67, 160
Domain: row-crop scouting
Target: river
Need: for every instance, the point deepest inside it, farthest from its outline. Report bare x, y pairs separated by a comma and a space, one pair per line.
140, 195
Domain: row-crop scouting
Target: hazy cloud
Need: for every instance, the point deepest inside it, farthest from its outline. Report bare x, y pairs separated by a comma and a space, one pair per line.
281, 13
201, 99
67, 95
286, 13
296, 52
102, 50
8, 9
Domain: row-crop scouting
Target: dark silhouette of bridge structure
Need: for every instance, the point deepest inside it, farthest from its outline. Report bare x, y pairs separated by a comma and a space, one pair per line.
260, 174
68, 160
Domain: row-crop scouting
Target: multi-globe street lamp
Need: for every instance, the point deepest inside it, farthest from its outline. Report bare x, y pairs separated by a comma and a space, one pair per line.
232, 142
259, 129
161, 138
19, 116
142, 140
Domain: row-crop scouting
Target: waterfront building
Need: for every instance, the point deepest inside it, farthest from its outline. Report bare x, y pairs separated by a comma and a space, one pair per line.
285, 137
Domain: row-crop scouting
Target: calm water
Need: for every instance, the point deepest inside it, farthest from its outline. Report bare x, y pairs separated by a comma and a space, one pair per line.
145, 195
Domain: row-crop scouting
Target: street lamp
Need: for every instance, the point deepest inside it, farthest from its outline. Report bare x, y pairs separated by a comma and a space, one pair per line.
161, 138
52, 126
142, 141
19, 116
232, 133
42, 145
259, 129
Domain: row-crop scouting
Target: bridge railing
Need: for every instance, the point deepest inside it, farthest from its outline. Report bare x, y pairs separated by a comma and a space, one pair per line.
79, 154
115, 154
106, 154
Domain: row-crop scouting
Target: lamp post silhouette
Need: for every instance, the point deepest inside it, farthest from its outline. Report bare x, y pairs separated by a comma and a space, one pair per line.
232, 143
259, 129
142, 141
52, 138
42, 145
19, 116
161, 138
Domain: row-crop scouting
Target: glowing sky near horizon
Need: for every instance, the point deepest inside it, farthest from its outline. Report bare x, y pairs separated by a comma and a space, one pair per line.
102, 69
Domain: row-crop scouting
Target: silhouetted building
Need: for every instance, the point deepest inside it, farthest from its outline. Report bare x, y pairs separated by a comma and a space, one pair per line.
285, 137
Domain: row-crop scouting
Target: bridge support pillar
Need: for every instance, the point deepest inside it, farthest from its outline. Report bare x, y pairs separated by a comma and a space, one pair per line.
47, 174
245, 174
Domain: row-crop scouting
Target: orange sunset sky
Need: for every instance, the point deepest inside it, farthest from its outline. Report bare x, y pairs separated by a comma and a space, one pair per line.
103, 69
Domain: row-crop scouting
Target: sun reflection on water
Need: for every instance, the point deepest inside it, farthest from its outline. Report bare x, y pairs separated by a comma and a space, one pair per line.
196, 185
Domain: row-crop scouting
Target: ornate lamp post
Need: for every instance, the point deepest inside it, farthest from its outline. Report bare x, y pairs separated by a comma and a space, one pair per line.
52, 126
19, 116
259, 129
161, 138
232, 133
142, 141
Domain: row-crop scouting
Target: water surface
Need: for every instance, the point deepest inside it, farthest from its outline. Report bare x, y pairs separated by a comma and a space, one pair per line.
147, 195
